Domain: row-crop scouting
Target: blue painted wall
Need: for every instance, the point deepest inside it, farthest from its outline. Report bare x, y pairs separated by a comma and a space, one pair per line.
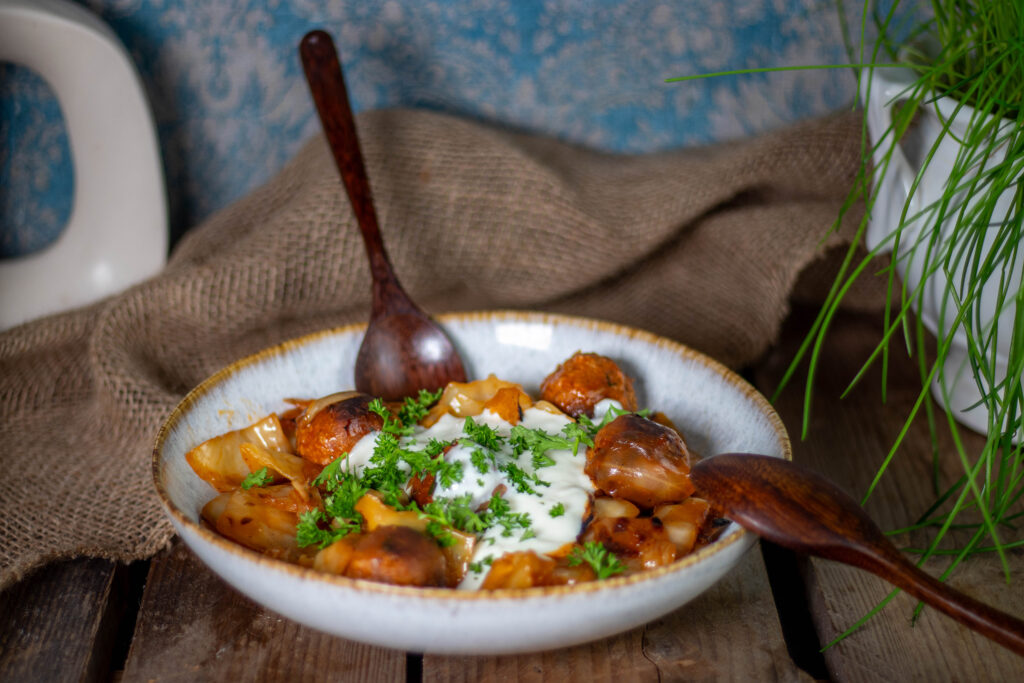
231, 105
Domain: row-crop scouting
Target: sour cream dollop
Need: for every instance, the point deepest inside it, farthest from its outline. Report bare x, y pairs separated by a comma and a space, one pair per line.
553, 491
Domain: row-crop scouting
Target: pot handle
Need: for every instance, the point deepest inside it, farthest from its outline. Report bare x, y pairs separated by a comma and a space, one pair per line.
891, 191
117, 231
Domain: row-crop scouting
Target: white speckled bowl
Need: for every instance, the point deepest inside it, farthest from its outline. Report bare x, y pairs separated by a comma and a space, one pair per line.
715, 409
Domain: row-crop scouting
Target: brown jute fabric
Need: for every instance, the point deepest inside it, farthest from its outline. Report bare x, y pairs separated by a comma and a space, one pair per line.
703, 246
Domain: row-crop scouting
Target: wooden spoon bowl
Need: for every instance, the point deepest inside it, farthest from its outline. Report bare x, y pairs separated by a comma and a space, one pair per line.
403, 350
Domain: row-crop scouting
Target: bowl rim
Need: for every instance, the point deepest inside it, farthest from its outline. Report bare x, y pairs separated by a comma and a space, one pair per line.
432, 593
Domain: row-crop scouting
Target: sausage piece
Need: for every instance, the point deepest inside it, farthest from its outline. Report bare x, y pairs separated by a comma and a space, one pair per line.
641, 461
578, 384
397, 555
327, 430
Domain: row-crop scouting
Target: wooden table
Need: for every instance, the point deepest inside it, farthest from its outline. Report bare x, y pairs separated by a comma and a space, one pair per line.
171, 619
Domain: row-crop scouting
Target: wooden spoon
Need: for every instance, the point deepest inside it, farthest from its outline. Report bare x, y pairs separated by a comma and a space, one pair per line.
797, 508
403, 350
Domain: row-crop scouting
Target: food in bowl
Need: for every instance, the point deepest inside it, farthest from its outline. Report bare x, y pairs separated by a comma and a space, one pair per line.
478, 486
716, 411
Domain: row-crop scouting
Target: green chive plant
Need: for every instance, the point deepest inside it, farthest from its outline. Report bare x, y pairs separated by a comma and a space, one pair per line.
965, 242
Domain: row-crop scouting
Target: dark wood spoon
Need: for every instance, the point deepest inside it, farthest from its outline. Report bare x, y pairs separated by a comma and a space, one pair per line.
403, 350
797, 508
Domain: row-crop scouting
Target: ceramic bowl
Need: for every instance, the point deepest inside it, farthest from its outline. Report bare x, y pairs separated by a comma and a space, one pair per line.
714, 408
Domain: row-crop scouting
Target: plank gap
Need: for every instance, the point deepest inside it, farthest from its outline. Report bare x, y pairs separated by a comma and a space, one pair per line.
413, 667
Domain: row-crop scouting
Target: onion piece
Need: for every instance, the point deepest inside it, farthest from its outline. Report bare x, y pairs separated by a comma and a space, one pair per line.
218, 461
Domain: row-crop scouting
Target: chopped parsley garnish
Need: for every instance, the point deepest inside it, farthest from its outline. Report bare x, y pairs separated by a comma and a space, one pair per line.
483, 435
448, 473
457, 513
313, 529
479, 458
593, 428
603, 563
338, 518
331, 474
521, 479
539, 442
415, 409
260, 477
382, 472
478, 567
397, 458
391, 425
340, 501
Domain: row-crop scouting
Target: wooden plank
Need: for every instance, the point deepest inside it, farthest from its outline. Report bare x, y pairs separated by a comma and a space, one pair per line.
731, 632
193, 626
52, 625
848, 440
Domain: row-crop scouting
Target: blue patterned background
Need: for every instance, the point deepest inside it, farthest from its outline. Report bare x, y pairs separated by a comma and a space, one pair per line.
231, 104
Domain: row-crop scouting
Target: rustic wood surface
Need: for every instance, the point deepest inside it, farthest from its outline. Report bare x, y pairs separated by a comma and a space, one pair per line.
91, 620
847, 441
66, 622
193, 627
696, 642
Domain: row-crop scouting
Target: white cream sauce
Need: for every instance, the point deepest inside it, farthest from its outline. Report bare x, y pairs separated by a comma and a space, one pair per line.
568, 485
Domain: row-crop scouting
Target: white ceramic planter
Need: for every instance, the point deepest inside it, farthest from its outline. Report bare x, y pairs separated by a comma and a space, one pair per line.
956, 386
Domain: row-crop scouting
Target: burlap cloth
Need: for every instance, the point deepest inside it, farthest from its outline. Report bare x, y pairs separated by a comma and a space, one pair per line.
703, 246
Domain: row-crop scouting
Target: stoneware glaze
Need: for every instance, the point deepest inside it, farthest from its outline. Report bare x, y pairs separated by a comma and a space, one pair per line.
714, 408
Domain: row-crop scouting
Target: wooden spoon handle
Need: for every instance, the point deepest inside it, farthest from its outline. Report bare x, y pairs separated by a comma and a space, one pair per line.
327, 84
1003, 628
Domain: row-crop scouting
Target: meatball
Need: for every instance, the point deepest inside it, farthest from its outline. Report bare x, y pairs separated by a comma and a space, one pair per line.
641, 461
578, 384
398, 555
329, 429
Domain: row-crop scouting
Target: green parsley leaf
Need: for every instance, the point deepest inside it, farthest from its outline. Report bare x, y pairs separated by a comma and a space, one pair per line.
391, 424
498, 505
478, 567
577, 434
415, 409
310, 530
482, 434
340, 503
603, 563
539, 442
613, 412
436, 447
557, 510
440, 533
383, 472
521, 479
479, 458
260, 477
447, 473
329, 475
